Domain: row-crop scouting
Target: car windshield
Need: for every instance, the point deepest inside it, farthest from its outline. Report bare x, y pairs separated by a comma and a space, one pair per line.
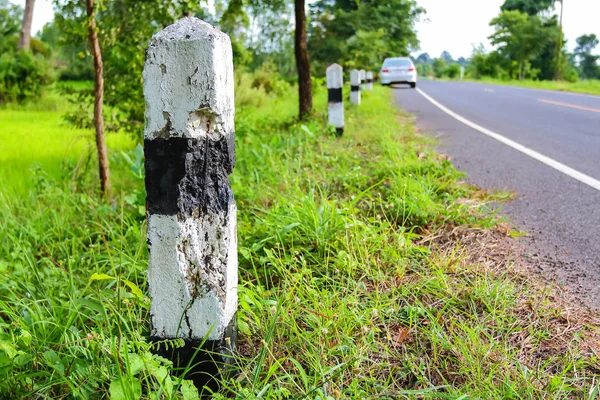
396, 63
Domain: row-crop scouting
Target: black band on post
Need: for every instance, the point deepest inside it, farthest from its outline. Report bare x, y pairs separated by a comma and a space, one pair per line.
334, 95
354, 88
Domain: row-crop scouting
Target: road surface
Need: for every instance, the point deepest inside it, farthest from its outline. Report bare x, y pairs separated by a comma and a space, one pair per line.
542, 145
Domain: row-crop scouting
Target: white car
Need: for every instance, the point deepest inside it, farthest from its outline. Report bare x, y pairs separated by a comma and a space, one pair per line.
398, 70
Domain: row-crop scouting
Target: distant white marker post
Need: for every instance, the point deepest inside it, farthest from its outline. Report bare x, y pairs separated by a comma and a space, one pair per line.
335, 102
462, 72
354, 87
189, 149
369, 80
363, 80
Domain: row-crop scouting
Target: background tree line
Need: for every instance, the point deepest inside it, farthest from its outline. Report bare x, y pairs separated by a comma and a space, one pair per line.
529, 44
274, 40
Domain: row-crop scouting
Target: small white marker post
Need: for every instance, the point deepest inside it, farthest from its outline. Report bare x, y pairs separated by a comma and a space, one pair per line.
462, 72
189, 149
363, 80
354, 87
335, 102
369, 80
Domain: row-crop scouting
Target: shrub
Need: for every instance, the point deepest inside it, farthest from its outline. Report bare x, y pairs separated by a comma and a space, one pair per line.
452, 71
22, 76
571, 76
246, 94
268, 78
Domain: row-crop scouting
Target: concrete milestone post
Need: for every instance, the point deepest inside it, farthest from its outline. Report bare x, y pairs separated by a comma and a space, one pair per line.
189, 149
354, 87
335, 103
369, 80
363, 80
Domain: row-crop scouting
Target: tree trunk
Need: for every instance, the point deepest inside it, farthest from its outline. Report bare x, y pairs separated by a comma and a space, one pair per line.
98, 99
521, 70
302, 61
25, 37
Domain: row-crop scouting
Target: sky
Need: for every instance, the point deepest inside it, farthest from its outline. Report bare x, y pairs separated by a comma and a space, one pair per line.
452, 25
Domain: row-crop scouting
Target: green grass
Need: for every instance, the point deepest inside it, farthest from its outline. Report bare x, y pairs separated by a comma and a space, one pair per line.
35, 135
343, 293
581, 86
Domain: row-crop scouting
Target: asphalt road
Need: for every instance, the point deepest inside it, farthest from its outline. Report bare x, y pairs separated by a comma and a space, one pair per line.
561, 214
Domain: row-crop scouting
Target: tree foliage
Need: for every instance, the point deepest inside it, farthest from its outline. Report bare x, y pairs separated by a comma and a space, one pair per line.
10, 25
530, 7
588, 62
339, 25
521, 37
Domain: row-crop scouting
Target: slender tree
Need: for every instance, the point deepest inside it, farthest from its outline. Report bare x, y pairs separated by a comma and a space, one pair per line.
25, 37
98, 99
302, 60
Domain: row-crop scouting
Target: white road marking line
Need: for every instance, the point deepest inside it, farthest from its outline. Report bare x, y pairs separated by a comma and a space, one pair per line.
581, 177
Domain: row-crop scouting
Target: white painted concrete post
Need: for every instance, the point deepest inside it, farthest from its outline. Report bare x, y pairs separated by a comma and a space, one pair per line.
369, 80
189, 149
462, 72
363, 80
354, 87
335, 102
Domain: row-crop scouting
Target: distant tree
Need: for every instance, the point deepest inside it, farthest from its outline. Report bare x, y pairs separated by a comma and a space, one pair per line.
335, 22
423, 58
520, 37
588, 63
546, 63
302, 61
446, 57
439, 67
531, 7
10, 21
25, 37
103, 167
366, 49
462, 61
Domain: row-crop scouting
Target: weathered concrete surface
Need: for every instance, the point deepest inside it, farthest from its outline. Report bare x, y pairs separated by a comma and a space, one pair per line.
189, 147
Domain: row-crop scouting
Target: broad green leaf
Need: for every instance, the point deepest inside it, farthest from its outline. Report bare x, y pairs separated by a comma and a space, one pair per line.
126, 388
134, 289
188, 390
91, 304
54, 361
101, 277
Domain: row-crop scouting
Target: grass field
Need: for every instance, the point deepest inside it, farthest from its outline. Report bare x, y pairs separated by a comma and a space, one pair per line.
581, 86
36, 135
367, 270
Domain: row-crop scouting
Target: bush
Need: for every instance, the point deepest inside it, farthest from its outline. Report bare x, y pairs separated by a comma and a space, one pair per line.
267, 77
571, 76
246, 94
452, 71
22, 76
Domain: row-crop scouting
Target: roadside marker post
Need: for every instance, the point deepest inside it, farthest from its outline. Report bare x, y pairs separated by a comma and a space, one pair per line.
354, 87
192, 230
369, 80
335, 102
363, 80
462, 72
